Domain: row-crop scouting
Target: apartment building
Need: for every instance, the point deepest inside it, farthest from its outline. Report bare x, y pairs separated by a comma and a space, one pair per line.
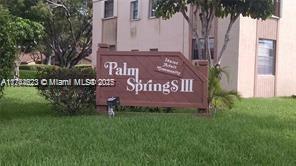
260, 57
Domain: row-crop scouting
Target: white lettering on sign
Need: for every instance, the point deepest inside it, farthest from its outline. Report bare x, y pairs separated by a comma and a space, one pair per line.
169, 66
134, 84
114, 69
171, 61
150, 86
187, 85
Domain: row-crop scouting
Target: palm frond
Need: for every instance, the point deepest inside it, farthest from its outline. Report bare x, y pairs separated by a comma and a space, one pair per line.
220, 99
226, 99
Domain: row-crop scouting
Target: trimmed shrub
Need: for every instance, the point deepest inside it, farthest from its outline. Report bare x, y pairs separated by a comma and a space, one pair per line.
68, 99
37, 67
28, 74
83, 66
27, 67
30, 71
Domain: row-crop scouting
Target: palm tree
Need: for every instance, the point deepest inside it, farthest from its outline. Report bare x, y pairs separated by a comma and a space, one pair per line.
218, 98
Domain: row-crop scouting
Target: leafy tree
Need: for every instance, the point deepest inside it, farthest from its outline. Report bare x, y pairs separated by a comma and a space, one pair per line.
204, 11
7, 46
70, 30
16, 35
28, 35
68, 26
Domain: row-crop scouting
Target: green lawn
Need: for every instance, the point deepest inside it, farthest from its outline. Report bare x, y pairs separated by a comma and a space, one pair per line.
255, 132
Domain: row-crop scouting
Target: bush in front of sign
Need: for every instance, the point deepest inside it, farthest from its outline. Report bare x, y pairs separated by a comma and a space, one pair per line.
71, 91
220, 99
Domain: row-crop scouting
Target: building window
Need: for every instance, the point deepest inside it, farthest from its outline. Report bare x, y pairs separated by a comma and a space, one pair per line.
266, 57
152, 8
198, 49
277, 8
134, 10
109, 9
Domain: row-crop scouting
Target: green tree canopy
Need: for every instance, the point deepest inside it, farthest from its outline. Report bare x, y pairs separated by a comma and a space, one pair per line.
28, 34
16, 34
7, 46
259, 9
68, 26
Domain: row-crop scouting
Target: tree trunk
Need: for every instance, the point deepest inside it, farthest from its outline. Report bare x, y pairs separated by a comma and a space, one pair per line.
207, 49
49, 60
17, 64
206, 21
16, 70
227, 37
206, 44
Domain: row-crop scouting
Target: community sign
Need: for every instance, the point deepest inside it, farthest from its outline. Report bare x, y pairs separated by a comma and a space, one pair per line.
152, 79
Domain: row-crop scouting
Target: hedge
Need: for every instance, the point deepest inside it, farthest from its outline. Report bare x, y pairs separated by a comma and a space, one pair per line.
36, 67
83, 66
28, 74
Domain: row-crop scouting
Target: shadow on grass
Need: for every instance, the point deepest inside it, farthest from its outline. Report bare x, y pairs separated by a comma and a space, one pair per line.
11, 108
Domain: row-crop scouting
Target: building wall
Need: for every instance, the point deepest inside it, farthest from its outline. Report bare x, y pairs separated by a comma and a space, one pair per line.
283, 31
251, 84
286, 68
143, 34
97, 29
150, 33
265, 84
230, 56
247, 56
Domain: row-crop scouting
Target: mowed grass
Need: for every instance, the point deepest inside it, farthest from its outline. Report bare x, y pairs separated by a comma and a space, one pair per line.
255, 132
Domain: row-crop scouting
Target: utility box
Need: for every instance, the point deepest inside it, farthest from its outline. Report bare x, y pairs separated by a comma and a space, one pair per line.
113, 102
